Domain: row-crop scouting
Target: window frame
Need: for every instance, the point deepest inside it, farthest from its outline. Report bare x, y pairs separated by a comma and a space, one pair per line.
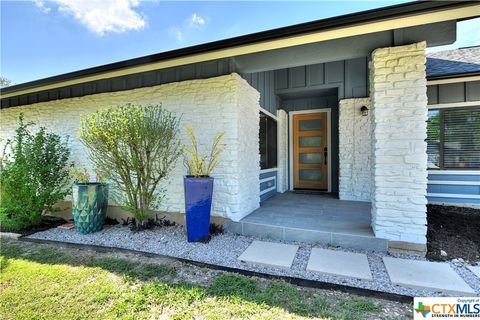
269, 117
441, 110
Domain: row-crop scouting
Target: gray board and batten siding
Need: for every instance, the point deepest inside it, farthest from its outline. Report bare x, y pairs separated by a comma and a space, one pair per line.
201, 70
291, 88
453, 92
458, 186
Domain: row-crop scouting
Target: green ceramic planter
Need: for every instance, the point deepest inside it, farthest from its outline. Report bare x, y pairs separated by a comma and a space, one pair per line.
89, 203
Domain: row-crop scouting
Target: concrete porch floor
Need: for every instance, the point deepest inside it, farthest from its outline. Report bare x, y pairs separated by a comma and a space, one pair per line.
318, 212
312, 218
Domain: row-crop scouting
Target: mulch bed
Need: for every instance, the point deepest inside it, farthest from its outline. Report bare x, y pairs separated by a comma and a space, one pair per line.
46, 223
455, 230
49, 222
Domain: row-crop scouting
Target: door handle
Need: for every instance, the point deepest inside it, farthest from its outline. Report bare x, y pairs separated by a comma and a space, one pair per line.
325, 155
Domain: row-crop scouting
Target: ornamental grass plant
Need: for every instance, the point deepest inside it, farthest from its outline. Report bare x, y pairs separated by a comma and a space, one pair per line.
198, 164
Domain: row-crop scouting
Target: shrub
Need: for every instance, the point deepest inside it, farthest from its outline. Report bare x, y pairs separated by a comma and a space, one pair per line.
33, 175
137, 147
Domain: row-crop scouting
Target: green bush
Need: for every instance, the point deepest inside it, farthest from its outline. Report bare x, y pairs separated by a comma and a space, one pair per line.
34, 175
136, 147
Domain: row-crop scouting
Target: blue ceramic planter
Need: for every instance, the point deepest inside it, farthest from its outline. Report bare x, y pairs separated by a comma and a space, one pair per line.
198, 203
89, 204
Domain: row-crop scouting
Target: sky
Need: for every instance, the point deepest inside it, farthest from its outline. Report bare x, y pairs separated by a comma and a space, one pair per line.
44, 38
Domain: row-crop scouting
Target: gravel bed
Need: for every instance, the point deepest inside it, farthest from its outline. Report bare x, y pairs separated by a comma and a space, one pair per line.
224, 249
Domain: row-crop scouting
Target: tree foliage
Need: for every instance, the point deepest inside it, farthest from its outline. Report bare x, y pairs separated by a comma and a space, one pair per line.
136, 147
5, 82
34, 175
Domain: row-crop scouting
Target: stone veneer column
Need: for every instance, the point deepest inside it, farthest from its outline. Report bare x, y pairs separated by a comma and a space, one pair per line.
282, 151
399, 108
355, 142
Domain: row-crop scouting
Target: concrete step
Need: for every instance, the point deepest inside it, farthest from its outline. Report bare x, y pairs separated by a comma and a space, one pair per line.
341, 239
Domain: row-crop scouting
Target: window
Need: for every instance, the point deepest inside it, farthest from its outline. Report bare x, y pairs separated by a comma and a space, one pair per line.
268, 142
433, 139
453, 138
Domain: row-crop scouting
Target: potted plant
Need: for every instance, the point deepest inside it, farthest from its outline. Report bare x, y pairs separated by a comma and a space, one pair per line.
89, 201
198, 187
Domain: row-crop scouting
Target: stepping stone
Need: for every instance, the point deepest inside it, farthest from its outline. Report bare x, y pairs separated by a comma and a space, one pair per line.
437, 276
269, 254
475, 270
339, 263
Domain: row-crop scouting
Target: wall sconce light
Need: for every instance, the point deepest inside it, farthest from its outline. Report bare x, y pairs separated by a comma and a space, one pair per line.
364, 111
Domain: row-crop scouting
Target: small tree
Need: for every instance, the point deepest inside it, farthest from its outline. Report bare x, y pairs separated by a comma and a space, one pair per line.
5, 82
137, 147
34, 175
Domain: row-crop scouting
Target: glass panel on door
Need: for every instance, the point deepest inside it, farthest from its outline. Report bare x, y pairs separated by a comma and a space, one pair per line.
310, 141
310, 174
310, 158
307, 125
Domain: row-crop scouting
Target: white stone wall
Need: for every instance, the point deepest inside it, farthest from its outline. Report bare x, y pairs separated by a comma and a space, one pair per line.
248, 122
355, 140
399, 108
210, 106
282, 151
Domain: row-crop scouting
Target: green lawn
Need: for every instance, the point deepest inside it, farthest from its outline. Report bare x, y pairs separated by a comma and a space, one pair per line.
41, 282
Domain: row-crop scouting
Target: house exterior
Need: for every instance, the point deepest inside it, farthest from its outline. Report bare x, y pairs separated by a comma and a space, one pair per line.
338, 105
453, 90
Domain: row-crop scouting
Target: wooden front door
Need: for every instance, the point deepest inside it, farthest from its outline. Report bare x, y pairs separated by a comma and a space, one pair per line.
310, 150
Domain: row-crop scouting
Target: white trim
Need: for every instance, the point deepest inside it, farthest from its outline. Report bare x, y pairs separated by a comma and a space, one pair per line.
455, 183
268, 179
457, 204
452, 195
457, 172
271, 115
454, 105
452, 80
290, 144
268, 190
268, 170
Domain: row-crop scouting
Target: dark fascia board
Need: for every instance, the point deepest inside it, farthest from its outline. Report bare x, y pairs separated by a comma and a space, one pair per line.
416, 7
453, 75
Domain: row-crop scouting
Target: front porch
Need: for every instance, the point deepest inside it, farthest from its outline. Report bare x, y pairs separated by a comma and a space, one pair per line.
312, 218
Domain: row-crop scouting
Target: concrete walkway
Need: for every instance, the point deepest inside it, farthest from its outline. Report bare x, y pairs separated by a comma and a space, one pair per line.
438, 276
270, 254
338, 263
409, 273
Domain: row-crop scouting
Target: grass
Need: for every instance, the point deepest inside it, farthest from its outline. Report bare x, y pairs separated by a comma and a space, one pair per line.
45, 283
